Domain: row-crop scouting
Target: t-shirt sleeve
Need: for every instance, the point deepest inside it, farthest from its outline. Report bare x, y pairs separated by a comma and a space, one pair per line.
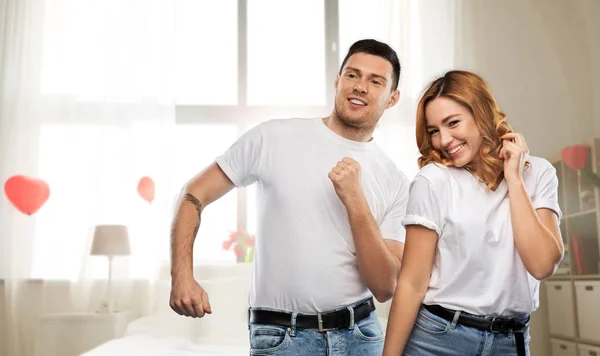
546, 195
241, 162
424, 206
391, 227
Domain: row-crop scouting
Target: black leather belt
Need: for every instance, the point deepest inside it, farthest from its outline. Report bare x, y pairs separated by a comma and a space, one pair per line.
493, 324
338, 319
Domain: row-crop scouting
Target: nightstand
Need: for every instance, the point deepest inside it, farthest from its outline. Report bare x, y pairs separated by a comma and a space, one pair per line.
71, 334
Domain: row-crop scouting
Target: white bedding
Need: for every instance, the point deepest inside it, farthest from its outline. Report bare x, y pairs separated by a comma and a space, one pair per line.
152, 336
223, 333
152, 345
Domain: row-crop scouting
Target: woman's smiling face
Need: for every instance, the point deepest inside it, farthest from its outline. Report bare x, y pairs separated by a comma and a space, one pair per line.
453, 131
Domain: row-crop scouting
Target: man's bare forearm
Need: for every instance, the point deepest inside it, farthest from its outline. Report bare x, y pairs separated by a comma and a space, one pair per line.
377, 265
199, 192
183, 233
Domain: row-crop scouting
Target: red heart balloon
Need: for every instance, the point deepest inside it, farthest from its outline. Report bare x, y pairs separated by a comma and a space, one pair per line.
27, 194
145, 189
575, 156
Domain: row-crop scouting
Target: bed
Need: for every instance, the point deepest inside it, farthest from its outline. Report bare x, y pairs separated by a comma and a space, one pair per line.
149, 345
224, 332
163, 332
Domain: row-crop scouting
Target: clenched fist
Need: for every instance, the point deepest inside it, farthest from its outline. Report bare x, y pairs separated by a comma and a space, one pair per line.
345, 177
188, 298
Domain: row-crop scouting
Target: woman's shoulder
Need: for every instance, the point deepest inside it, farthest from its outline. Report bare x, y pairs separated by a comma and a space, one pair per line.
539, 165
538, 161
435, 173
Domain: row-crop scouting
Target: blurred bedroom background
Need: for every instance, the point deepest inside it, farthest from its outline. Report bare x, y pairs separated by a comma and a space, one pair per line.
108, 107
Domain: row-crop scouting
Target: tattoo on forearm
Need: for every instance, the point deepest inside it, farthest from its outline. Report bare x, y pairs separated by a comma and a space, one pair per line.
192, 199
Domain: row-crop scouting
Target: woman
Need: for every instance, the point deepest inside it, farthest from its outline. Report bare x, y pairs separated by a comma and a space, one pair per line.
482, 229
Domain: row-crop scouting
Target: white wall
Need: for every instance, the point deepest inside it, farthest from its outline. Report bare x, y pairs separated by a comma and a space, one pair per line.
590, 11
541, 59
3, 322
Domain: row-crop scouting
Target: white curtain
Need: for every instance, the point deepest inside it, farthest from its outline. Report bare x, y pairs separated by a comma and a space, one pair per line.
423, 34
87, 105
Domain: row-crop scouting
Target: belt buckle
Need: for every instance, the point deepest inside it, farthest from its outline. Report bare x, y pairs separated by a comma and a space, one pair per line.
504, 325
320, 323
492, 325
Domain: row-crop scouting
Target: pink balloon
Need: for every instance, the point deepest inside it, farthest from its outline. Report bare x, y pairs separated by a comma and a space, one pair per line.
145, 189
575, 156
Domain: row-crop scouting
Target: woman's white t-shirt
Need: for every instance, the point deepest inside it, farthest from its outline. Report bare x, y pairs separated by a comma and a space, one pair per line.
477, 267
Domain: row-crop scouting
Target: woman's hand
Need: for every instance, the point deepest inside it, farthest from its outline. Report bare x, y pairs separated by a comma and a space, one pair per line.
514, 152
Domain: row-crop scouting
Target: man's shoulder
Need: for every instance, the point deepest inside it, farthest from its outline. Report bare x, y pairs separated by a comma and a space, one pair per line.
286, 125
390, 166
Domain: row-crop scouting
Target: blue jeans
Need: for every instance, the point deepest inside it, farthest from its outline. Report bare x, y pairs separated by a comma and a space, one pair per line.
364, 338
433, 335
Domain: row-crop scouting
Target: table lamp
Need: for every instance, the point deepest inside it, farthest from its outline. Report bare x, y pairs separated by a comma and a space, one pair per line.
110, 241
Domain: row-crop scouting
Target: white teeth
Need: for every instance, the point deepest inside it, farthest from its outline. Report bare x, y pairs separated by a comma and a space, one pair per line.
357, 102
456, 149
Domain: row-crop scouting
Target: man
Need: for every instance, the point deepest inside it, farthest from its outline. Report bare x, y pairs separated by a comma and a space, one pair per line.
330, 205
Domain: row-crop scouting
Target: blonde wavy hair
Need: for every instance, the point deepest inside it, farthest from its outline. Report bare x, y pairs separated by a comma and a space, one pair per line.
471, 91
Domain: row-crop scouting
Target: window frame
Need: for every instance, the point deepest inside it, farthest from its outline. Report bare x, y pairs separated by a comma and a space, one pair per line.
238, 114
243, 115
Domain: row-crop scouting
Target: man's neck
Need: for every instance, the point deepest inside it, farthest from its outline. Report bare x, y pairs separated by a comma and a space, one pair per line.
349, 132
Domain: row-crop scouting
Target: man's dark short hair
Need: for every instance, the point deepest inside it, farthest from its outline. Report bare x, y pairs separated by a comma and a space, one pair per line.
379, 49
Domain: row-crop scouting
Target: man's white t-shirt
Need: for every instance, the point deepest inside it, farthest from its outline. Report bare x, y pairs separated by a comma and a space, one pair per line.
305, 258
477, 267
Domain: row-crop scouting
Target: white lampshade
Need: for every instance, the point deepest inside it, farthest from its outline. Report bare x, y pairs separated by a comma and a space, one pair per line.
110, 240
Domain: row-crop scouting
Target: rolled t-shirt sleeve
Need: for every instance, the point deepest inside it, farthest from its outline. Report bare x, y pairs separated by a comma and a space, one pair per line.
391, 227
241, 162
424, 206
546, 195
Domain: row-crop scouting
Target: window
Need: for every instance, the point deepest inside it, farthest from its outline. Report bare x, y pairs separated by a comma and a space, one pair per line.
93, 173
107, 51
206, 53
270, 51
195, 146
286, 52
225, 66
358, 21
